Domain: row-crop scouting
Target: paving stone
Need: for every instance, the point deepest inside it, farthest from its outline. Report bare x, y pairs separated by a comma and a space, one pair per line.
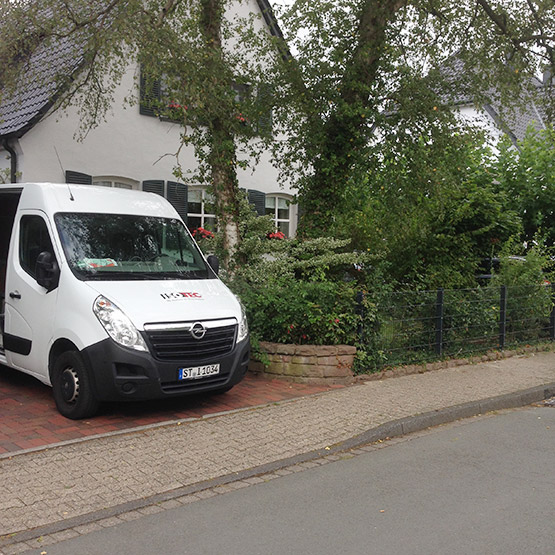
87, 528
76, 479
16, 548
130, 515
170, 504
65, 535
109, 522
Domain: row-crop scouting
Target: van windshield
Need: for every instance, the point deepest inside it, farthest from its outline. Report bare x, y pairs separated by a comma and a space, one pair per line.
129, 247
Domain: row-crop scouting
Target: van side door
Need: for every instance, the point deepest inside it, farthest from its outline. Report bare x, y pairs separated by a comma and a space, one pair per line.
30, 306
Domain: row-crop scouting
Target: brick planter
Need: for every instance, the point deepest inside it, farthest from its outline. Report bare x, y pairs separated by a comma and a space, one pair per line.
318, 364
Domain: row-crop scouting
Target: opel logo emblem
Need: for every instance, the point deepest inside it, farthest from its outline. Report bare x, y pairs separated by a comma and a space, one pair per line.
198, 330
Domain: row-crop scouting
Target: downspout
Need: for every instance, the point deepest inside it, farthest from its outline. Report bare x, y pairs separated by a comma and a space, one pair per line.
13, 160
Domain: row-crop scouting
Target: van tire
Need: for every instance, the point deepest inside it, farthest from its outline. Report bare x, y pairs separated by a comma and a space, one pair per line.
72, 387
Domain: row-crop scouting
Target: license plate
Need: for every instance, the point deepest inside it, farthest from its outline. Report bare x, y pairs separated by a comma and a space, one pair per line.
198, 371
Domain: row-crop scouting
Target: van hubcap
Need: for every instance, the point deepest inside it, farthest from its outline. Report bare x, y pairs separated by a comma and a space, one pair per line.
70, 385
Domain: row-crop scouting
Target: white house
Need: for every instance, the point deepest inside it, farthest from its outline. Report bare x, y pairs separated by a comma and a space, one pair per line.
499, 120
132, 149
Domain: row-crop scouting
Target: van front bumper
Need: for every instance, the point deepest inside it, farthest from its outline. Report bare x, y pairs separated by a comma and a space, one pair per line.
120, 373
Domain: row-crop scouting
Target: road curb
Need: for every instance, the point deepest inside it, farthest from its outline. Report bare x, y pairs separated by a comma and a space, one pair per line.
388, 430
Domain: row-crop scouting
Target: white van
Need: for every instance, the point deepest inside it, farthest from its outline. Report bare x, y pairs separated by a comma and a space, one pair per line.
106, 296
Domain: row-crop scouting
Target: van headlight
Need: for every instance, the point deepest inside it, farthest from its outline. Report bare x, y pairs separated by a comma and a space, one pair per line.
243, 325
118, 325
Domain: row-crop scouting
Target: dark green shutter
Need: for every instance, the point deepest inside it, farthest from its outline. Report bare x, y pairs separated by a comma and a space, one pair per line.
149, 96
177, 195
300, 213
258, 201
78, 178
264, 102
154, 186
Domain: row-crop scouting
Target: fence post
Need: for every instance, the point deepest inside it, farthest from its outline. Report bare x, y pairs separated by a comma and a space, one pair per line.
439, 322
552, 315
502, 316
360, 311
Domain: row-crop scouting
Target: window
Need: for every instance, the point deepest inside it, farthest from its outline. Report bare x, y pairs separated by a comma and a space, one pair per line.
279, 208
201, 210
117, 182
33, 239
101, 180
156, 100
129, 247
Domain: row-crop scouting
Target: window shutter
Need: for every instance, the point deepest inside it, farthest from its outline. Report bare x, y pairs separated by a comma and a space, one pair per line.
154, 186
149, 95
258, 201
177, 195
300, 213
78, 178
264, 101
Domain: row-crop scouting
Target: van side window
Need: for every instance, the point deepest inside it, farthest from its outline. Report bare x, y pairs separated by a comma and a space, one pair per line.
33, 239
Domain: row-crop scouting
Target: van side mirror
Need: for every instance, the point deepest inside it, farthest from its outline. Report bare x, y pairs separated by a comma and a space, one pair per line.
214, 263
47, 271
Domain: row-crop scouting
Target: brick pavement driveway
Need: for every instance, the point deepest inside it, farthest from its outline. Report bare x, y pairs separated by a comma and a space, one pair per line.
29, 419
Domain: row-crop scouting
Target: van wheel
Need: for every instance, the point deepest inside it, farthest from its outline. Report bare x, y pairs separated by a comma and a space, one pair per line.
72, 388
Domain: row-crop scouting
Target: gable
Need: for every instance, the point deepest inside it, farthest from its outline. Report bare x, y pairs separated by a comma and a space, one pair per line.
43, 75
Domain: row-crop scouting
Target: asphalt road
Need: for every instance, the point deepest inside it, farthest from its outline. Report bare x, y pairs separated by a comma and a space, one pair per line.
486, 486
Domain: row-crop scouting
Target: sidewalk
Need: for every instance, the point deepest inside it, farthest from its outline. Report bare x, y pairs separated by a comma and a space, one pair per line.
79, 483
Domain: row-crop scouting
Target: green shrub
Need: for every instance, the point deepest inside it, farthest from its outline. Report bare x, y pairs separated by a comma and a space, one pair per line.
289, 310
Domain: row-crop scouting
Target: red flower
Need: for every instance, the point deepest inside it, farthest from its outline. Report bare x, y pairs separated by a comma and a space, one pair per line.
201, 233
276, 235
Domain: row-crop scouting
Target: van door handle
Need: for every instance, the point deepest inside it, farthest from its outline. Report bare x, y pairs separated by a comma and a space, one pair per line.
15, 295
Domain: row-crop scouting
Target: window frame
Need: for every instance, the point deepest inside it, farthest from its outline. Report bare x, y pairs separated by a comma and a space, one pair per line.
23, 223
275, 216
103, 180
203, 215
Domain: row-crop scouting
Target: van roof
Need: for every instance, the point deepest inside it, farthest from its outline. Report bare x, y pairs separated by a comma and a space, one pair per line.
63, 197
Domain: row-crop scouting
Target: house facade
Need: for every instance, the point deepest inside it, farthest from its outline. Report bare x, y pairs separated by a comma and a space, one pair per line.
497, 120
132, 148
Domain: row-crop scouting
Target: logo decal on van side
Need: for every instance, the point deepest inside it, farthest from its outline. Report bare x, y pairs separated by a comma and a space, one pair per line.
180, 296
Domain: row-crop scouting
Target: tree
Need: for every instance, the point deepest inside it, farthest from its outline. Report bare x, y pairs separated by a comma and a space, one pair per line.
527, 176
391, 65
189, 67
429, 210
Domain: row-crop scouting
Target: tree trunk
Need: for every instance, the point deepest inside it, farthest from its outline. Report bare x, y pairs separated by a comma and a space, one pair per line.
222, 157
345, 130
224, 183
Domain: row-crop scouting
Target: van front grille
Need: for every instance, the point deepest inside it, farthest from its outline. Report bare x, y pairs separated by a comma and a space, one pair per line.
181, 345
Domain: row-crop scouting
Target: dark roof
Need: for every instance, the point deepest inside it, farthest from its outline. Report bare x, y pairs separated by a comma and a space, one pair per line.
40, 83
512, 121
37, 88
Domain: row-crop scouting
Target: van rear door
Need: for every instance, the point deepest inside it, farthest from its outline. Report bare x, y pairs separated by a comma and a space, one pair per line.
9, 199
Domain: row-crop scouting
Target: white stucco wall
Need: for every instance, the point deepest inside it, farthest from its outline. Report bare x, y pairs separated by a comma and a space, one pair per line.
127, 144
481, 119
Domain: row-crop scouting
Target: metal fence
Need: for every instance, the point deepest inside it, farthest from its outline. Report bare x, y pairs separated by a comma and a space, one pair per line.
419, 326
